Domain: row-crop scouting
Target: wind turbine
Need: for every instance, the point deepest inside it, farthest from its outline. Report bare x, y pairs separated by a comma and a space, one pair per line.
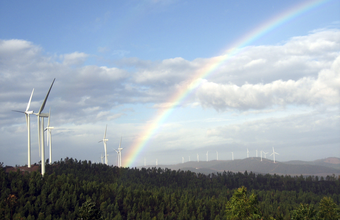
274, 154
247, 153
27, 116
216, 155
261, 154
182, 159
101, 158
120, 153
265, 154
49, 135
198, 158
189, 158
207, 155
41, 141
105, 149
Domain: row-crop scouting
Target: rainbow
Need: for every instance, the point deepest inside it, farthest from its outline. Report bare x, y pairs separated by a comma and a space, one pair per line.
151, 128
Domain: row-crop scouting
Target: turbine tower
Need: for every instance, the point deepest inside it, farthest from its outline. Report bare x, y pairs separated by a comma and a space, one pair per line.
247, 153
182, 159
27, 116
101, 158
49, 135
189, 158
40, 123
198, 158
274, 154
207, 155
105, 149
216, 155
261, 155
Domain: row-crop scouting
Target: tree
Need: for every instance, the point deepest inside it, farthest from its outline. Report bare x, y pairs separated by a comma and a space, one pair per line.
88, 211
304, 212
328, 209
240, 206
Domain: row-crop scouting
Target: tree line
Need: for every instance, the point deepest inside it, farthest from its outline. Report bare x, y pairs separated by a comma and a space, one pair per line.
71, 189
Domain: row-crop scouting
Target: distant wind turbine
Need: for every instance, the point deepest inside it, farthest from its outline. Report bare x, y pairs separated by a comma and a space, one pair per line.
120, 152
49, 135
207, 155
265, 154
274, 154
247, 153
198, 158
182, 159
189, 158
40, 123
261, 155
27, 116
101, 158
216, 155
105, 148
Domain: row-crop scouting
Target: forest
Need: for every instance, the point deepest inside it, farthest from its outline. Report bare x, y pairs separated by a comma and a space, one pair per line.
75, 189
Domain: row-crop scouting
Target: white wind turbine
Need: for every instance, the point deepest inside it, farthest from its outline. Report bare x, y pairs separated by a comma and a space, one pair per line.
189, 158
198, 158
105, 148
49, 135
120, 152
27, 116
216, 155
101, 158
247, 153
41, 141
261, 154
265, 154
207, 155
274, 154
182, 159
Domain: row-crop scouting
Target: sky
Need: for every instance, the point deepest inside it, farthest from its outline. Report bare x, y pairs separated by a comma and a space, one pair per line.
175, 79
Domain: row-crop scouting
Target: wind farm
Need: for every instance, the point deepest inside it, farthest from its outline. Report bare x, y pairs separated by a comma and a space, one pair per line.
169, 109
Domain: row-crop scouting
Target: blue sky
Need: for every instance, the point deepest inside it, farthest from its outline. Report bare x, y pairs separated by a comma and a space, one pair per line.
118, 62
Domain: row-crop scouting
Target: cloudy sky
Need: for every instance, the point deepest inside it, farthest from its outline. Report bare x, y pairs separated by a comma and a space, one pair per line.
121, 63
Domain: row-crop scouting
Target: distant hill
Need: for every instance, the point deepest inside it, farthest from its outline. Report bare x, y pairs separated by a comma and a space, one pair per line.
324, 167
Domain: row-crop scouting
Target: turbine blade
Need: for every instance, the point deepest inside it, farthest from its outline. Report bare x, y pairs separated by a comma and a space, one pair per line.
44, 102
105, 132
18, 111
29, 102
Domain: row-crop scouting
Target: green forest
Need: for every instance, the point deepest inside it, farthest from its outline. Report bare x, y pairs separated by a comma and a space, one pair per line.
75, 189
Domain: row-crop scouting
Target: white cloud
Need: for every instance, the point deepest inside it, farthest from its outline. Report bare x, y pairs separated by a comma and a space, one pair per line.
75, 58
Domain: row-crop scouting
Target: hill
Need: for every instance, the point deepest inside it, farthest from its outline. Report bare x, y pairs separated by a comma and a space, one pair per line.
324, 167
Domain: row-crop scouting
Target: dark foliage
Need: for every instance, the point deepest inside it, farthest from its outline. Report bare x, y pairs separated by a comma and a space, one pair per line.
131, 193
